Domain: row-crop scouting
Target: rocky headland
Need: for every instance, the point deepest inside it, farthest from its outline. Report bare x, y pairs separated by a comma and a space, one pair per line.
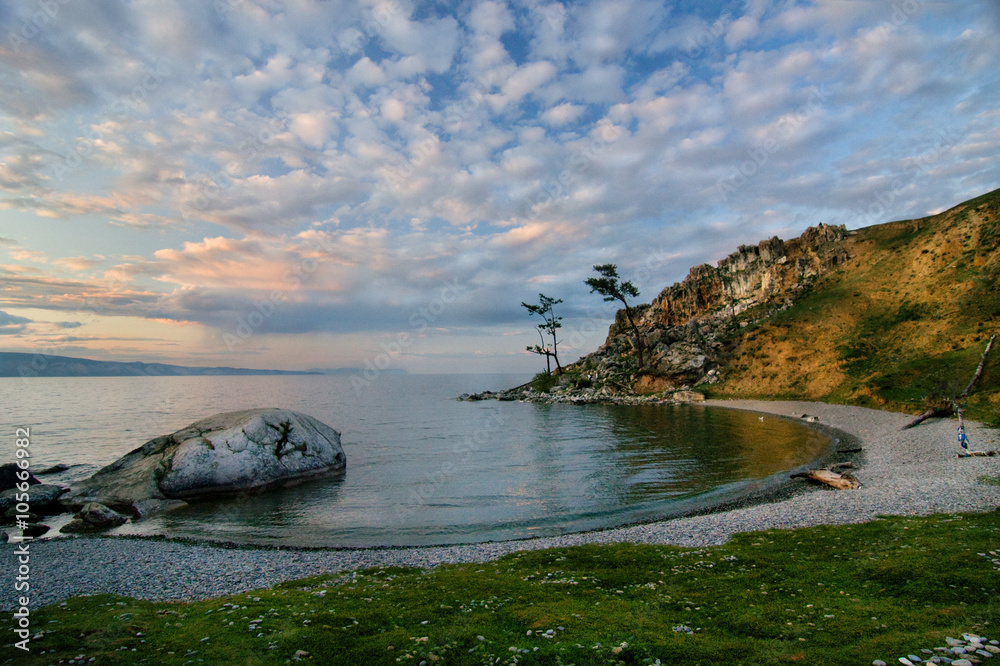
893, 316
686, 328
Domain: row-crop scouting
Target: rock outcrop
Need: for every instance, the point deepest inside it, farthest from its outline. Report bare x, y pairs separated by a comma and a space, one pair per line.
10, 476
93, 516
43, 499
685, 327
227, 453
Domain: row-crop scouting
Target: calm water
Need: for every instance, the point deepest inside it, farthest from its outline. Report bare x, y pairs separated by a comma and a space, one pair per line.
422, 468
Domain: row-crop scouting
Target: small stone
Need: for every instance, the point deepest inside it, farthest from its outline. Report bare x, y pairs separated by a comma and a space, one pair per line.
905, 661
961, 662
879, 662
914, 658
984, 653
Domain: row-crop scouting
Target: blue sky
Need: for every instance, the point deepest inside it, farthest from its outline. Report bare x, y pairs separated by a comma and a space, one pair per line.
297, 184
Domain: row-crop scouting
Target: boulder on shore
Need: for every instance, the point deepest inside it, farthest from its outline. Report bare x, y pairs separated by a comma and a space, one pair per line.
93, 516
10, 476
42, 499
230, 452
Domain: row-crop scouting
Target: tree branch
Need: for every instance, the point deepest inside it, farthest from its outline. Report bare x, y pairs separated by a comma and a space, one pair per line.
979, 370
950, 408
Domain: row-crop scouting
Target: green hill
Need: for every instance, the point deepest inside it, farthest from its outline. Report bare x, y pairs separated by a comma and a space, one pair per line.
895, 316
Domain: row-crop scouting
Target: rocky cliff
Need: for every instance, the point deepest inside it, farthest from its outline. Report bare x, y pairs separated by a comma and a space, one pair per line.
685, 328
895, 316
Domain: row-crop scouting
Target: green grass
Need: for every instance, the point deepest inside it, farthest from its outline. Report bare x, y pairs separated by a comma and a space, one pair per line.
830, 595
543, 382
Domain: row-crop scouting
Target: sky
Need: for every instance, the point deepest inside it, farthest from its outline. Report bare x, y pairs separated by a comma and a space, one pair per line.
380, 184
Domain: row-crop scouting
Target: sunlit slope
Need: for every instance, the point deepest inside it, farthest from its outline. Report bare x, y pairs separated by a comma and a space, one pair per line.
902, 323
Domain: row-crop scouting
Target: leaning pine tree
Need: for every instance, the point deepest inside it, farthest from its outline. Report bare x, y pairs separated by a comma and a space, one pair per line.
550, 325
612, 288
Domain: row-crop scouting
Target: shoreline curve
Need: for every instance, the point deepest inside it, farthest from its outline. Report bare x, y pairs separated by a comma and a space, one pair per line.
913, 472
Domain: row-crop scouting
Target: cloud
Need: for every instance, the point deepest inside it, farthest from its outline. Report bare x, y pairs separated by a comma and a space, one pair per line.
78, 263
12, 325
208, 152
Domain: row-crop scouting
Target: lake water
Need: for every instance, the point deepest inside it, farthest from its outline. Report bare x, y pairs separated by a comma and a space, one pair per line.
422, 468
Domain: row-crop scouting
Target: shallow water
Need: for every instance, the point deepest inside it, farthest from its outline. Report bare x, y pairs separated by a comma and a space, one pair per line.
422, 468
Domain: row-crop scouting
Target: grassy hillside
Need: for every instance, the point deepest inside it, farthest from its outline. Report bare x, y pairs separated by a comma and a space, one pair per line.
899, 326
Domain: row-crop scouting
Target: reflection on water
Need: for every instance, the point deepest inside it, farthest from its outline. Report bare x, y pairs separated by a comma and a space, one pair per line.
422, 467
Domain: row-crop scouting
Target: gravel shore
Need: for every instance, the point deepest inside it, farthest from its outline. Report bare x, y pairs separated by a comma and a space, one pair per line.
912, 472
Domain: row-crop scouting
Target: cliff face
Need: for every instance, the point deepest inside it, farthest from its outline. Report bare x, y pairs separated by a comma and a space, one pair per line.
750, 276
895, 315
684, 327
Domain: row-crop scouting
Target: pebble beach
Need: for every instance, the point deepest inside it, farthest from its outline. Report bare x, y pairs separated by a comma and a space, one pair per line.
902, 473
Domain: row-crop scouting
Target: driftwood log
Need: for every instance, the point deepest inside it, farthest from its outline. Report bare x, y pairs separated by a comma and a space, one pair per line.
979, 370
827, 477
932, 413
949, 409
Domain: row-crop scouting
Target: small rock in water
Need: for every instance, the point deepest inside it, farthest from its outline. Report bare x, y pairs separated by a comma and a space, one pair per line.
55, 469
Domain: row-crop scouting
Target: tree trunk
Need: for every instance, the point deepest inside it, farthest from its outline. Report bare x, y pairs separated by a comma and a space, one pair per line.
829, 478
932, 413
638, 336
979, 370
935, 412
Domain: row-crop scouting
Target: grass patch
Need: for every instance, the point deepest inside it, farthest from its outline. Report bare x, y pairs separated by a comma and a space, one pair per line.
846, 594
989, 480
543, 382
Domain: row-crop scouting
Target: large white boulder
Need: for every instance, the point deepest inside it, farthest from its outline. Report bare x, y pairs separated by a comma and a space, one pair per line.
231, 452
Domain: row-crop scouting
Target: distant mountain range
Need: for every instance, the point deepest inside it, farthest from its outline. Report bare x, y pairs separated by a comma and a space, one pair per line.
15, 364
